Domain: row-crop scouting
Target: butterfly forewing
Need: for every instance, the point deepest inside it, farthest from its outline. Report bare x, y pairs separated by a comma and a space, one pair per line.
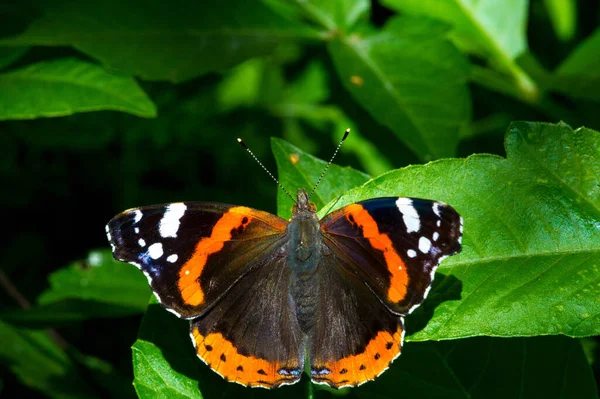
173, 243
394, 245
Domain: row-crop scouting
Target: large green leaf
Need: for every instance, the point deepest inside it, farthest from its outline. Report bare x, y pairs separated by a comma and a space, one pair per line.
487, 27
39, 363
172, 41
66, 86
411, 79
531, 235
297, 169
579, 74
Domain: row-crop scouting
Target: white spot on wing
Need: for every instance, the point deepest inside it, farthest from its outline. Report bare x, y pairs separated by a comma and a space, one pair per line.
172, 258
424, 245
409, 214
136, 230
436, 235
141, 242
155, 250
135, 264
138, 215
436, 209
411, 253
169, 224
439, 223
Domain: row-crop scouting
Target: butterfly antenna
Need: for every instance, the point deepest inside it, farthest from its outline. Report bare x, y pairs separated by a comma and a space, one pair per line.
346, 133
264, 168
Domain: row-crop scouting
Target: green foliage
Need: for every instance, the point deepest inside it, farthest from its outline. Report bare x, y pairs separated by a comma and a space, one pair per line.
79, 87
110, 105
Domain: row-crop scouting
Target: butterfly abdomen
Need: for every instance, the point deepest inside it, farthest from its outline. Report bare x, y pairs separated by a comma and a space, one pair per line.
304, 254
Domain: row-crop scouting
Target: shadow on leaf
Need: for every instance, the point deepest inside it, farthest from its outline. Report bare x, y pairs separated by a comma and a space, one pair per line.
444, 288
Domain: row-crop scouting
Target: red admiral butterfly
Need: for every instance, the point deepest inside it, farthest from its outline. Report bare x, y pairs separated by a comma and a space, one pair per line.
266, 295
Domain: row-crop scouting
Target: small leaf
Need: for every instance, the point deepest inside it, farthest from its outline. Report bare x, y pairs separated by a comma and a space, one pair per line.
411, 79
531, 236
563, 15
194, 37
40, 364
101, 279
297, 169
579, 74
66, 86
335, 14
485, 27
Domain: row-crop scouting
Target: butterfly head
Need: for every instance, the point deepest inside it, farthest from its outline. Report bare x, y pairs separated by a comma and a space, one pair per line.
303, 206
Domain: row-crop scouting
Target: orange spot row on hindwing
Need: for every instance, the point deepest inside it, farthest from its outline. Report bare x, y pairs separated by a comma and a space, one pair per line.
222, 356
365, 366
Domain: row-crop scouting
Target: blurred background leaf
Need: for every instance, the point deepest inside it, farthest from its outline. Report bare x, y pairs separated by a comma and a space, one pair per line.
78, 86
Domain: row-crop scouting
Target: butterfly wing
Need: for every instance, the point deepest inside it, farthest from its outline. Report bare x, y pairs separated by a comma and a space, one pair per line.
394, 245
355, 337
186, 250
252, 337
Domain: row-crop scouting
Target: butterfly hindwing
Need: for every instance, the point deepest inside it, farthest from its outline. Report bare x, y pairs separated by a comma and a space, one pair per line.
252, 337
193, 253
394, 245
355, 337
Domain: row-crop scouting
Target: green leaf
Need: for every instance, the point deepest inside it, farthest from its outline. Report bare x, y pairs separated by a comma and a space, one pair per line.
40, 364
304, 100
486, 27
495, 30
410, 79
66, 86
579, 74
8, 55
298, 169
563, 15
531, 236
173, 41
335, 14
165, 364
101, 279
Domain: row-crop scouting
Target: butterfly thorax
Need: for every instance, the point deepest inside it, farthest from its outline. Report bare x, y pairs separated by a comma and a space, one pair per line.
304, 235
304, 252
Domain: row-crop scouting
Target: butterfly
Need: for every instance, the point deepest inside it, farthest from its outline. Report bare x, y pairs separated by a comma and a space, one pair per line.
268, 298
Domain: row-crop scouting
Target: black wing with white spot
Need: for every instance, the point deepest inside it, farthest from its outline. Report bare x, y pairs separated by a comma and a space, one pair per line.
394, 245
193, 253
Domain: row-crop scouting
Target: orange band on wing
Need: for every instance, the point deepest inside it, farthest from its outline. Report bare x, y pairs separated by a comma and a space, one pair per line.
366, 366
381, 241
189, 285
223, 357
